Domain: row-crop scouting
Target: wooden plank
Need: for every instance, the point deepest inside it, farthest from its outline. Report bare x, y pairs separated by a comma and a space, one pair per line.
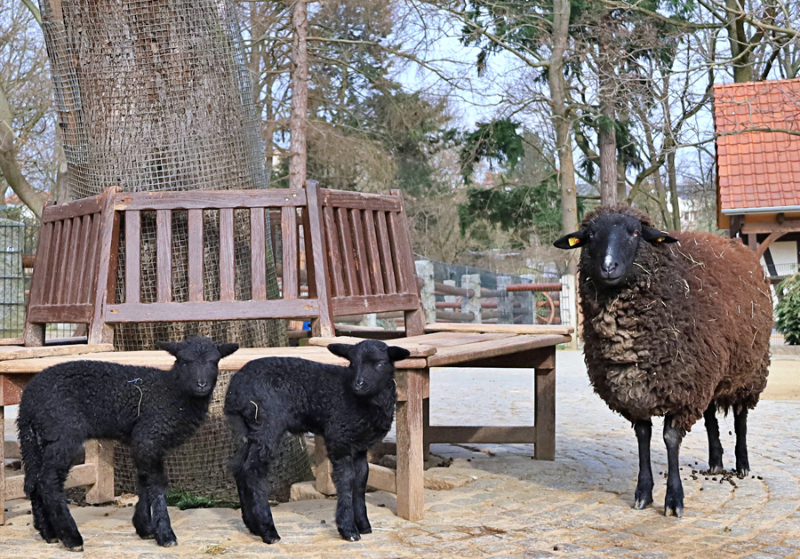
360, 245
211, 200
195, 233
12, 450
324, 473
532, 329
133, 262
92, 251
39, 276
343, 306
403, 257
310, 278
78, 313
53, 260
334, 255
317, 262
451, 339
7, 353
387, 267
85, 243
290, 252
544, 411
11, 387
100, 455
78, 208
348, 258
164, 256
417, 350
11, 341
410, 460
498, 435
3, 494
106, 279
71, 263
211, 310
373, 252
382, 478
227, 289
64, 251
359, 200
258, 254
788, 226
482, 350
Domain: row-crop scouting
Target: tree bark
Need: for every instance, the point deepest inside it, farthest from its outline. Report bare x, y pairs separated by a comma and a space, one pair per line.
607, 136
298, 121
673, 191
741, 48
558, 97
9, 166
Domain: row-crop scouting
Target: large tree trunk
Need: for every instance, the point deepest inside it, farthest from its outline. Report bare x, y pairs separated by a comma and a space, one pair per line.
607, 136
558, 97
298, 121
672, 172
741, 47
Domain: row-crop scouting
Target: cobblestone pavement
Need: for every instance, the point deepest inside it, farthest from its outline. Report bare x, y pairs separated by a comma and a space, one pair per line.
578, 506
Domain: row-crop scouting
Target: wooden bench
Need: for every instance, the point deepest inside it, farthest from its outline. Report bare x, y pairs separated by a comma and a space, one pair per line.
359, 260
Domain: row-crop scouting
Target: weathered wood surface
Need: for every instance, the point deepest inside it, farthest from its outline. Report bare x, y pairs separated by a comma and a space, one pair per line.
19, 352
475, 435
533, 329
417, 350
208, 199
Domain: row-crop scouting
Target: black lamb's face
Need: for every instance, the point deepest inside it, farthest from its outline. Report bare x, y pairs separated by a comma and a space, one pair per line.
197, 363
373, 362
610, 243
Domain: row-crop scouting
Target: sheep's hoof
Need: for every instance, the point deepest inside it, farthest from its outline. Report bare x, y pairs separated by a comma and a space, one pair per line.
677, 510
743, 473
716, 469
350, 536
167, 540
642, 503
78, 547
51, 539
271, 538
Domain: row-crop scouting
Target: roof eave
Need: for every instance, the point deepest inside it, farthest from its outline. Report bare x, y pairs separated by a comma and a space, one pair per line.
763, 210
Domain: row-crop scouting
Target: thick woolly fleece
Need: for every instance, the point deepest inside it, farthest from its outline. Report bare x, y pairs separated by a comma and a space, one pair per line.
691, 329
351, 407
151, 410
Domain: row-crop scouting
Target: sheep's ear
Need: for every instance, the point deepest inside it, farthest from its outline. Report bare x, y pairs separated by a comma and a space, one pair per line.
573, 240
171, 347
656, 237
226, 349
397, 353
342, 350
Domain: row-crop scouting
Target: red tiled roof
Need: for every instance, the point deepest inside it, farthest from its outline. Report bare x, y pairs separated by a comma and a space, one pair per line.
757, 168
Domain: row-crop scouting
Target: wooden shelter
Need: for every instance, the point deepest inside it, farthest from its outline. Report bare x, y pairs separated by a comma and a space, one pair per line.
758, 168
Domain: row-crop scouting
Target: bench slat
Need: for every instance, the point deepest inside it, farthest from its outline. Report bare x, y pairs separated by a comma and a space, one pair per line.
133, 257
72, 269
164, 255
54, 258
212, 310
258, 247
63, 257
348, 260
210, 199
334, 257
195, 232
373, 252
91, 254
227, 291
38, 279
83, 244
387, 267
360, 246
290, 250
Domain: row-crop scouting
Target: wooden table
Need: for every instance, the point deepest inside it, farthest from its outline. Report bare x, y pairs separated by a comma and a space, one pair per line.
414, 434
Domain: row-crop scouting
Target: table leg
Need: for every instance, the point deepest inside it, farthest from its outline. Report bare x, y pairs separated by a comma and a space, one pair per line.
3, 466
426, 422
544, 414
410, 462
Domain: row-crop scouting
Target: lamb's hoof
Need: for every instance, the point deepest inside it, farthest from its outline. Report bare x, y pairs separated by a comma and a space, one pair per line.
167, 540
53, 539
270, 538
74, 548
673, 506
350, 535
367, 530
715, 469
642, 503
743, 473
643, 496
72, 543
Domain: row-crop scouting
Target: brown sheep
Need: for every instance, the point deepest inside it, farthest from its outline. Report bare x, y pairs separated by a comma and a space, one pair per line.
675, 330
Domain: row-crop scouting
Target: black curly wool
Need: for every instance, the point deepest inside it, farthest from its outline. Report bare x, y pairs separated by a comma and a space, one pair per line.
151, 410
351, 407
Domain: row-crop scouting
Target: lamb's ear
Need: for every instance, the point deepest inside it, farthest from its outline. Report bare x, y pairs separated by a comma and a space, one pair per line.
573, 240
656, 237
171, 347
226, 349
397, 353
342, 350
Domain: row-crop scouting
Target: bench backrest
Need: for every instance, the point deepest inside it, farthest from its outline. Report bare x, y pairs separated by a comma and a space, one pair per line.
357, 246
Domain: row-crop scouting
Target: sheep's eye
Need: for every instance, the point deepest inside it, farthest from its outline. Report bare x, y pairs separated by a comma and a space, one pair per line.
635, 234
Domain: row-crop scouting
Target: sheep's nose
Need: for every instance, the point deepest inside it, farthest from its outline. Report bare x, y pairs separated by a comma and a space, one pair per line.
201, 384
359, 384
608, 268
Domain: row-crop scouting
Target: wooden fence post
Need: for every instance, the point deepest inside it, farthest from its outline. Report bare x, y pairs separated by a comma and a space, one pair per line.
426, 292
505, 302
472, 304
572, 305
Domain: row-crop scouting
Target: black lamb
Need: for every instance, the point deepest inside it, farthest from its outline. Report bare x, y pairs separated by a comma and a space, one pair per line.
675, 326
351, 407
151, 410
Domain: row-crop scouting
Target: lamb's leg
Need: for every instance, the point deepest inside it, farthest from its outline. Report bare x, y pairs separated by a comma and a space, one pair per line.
644, 488
714, 446
344, 476
142, 521
674, 500
359, 498
740, 424
250, 470
32, 456
56, 461
150, 468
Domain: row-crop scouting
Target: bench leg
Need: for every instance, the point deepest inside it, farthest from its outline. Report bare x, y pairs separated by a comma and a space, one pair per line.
101, 455
544, 413
3, 466
410, 463
426, 422
324, 478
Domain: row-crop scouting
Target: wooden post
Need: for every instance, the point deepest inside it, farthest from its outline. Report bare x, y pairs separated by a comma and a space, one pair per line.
505, 303
472, 304
324, 476
101, 455
572, 297
3, 464
426, 293
544, 411
410, 460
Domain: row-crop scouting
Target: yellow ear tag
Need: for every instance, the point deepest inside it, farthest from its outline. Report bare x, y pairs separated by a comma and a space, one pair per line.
573, 241
661, 239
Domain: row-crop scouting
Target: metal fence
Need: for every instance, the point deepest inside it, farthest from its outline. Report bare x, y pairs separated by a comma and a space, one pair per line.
13, 283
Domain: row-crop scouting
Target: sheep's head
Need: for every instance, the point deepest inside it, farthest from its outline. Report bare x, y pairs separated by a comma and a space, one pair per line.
197, 363
373, 364
610, 238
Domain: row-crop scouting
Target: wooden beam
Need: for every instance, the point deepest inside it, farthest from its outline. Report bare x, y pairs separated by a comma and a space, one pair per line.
762, 248
505, 435
788, 226
382, 479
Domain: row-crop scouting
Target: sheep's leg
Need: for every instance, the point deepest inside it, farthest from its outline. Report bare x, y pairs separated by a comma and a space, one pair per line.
644, 488
142, 521
250, 470
714, 446
740, 424
151, 516
344, 476
674, 500
32, 456
56, 461
359, 495
40, 519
